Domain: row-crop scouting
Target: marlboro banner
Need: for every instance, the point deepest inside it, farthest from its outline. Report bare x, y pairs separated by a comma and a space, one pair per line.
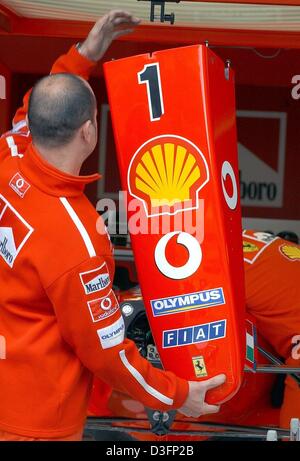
174, 122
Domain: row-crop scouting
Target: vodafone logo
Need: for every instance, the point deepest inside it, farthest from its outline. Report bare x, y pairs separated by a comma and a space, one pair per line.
232, 199
19, 185
103, 308
106, 304
194, 259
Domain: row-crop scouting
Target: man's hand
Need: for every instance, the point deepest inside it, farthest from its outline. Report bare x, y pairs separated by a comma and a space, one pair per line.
195, 405
108, 28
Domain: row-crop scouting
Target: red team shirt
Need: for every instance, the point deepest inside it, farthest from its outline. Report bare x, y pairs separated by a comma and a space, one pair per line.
272, 275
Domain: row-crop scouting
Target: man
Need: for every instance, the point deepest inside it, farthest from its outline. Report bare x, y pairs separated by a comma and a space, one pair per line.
272, 275
59, 317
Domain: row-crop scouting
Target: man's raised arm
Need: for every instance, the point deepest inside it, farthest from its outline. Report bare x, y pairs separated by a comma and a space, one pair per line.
81, 60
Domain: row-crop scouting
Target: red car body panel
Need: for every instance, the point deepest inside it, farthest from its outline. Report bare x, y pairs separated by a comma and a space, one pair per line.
174, 123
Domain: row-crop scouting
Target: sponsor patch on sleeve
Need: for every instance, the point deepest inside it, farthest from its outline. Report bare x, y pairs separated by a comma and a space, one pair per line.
95, 280
14, 232
113, 334
103, 308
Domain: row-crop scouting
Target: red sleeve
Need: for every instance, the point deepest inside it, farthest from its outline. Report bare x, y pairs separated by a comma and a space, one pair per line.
73, 63
90, 321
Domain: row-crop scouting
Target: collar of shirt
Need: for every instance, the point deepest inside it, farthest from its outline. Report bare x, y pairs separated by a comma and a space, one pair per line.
49, 179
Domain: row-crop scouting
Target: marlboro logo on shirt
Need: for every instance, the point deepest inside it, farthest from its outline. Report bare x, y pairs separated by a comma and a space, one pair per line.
95, 280
14, 232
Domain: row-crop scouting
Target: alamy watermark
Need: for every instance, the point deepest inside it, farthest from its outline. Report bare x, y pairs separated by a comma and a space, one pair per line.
296, 89
123, 217
296, 347
2, 348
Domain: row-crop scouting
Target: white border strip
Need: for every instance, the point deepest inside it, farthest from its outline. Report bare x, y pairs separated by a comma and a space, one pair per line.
4, 208
18, 126
137, 375
82, 230
13, 147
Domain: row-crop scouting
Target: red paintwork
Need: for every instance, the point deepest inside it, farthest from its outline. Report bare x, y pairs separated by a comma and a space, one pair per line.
193, 83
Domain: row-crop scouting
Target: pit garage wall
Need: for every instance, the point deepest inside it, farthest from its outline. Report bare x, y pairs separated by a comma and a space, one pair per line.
5, 92
268, 120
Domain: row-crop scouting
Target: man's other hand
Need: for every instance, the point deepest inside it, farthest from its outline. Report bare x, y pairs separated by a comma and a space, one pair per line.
195, 404
108, 28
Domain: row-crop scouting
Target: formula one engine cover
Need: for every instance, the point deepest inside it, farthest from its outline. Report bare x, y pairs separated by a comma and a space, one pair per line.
174, 123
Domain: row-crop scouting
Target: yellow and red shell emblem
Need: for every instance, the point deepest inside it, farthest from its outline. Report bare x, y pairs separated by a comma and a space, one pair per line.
166, 173
291, 252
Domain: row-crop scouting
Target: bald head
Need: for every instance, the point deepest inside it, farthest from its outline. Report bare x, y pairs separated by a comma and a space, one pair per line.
59, 105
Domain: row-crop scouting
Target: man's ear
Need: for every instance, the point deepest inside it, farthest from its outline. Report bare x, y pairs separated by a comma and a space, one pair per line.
87, 131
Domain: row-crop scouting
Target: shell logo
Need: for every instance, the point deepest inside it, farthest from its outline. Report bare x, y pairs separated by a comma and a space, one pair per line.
292, 252
166, 174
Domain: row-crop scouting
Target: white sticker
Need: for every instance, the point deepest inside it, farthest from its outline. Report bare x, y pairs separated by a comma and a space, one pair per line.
113, 334
232, 200
190, 267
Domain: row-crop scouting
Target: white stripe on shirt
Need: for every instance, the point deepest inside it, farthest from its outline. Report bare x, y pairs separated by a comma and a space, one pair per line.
18, 126
140, 379
82, 230
13, 148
